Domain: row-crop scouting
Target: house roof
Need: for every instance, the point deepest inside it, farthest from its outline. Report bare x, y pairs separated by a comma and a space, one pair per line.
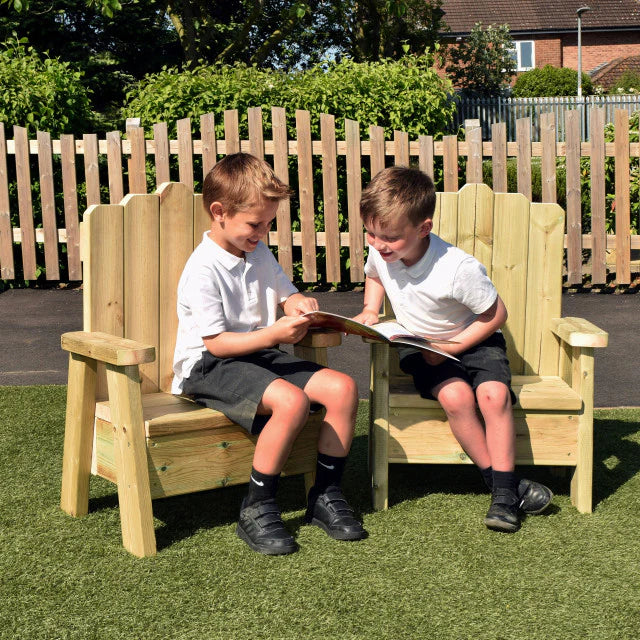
607, 74
537, 16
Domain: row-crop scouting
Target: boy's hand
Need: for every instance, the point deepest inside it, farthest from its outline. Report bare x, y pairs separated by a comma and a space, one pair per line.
290, 329
297, 304
367, 316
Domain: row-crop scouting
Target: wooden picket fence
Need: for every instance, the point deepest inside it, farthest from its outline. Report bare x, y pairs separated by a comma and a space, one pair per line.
40, 238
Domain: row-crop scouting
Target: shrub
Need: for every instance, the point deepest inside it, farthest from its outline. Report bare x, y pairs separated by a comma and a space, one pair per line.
550, 81
41, 93
628, 82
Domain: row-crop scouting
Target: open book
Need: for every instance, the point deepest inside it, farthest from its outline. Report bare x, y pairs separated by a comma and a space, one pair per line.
390, 332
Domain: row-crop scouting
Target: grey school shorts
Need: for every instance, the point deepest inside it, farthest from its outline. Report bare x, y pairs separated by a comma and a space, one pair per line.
486, 362
235, 386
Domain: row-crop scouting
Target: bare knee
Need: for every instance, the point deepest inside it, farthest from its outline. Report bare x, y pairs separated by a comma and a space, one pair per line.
493, 397
336, 391
456, 397
288, 404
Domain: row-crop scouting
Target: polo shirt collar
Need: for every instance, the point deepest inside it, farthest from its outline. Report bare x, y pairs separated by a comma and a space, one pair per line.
418, 269
223, 257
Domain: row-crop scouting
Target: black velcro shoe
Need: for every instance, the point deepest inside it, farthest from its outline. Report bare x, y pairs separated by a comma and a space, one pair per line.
503, 513
331, 512
534, 497
261, 527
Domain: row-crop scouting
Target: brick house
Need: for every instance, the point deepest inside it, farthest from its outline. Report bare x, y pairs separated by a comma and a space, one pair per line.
547, 32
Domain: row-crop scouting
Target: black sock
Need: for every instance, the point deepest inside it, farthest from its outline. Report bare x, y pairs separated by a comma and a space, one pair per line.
261, 487
328, 472
487, 476
505, 480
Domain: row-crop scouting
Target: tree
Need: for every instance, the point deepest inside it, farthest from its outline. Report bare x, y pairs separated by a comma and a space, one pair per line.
483, 64
550, 81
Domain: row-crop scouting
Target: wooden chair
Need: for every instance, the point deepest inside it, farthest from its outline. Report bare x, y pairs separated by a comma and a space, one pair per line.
150, 443
551, 358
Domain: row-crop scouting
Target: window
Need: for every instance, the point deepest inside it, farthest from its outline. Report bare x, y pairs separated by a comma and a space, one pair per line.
524, 55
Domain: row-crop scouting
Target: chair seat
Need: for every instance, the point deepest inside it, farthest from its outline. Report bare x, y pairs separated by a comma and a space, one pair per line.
534, 393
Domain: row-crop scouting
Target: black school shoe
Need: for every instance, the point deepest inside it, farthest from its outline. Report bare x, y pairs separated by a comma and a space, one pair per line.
503, 514
331, 512
261, 527
534, 497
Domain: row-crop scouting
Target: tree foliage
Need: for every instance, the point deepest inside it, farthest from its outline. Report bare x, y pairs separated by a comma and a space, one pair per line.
628, 82
550, 81
483, 64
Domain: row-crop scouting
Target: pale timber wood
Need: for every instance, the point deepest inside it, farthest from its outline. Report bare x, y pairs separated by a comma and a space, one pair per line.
578, 332
137, 162
622, 201
47, 200
483, 244
425, 154
114, 166
209, 145
549, 154
523, 140
281, 169
354, 191
330, 196
91, 170
231, 132
7, 266
25, 204
499, 156
376, 137
107, 348
379, 426
574, 205
161, 141
448, 217
185, 152
466, 223
201, 220
256, 134
598, 198
69, 187
305, 193
473, 135
450, 162
401, 145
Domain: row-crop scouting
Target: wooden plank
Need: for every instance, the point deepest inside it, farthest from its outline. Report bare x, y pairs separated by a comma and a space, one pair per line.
523, 141
185, 152
7, 266
137, 162
447, 227
548, 164
91, 169
598, 199
330, 196
231, 131
176, 245
256, 134
25, 204
578, 332
425, 154
114, 166
466, 224
450, 161
47, 200
483, 248
622, 199
354, 191
141, 277
473, 136
105, 347
379, 425
499, 156
401, 144
376, 136
281, 168
209, 145
574, 200
305, 193
69, 188
161, 143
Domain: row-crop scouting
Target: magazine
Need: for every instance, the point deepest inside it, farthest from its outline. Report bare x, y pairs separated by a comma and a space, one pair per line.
391, 332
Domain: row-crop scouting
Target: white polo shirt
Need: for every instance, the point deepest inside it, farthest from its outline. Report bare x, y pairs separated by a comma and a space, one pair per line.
221, 292
440, 295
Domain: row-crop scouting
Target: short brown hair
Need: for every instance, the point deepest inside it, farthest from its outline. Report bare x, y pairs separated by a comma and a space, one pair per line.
240, 181
398, 192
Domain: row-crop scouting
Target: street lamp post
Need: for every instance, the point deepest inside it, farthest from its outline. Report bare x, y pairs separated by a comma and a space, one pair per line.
580, 11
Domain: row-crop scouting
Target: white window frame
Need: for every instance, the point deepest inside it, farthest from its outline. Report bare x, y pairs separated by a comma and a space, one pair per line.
518, 54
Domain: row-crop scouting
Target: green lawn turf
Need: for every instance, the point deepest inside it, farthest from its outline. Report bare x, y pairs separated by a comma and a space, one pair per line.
430, 569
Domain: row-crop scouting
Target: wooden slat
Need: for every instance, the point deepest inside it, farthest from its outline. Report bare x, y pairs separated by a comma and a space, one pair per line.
330, 196
447, 227
176, 245
450, 162
185, 152
483, 248
305, 193
376, 136
69, 187
510, 262
256, 133
209, 145
161, 143
47, 199
578, 332
104, 347
499, 157
354, 190
281, 168
574, 201
622, 200
201, 219
473, 136
548, 164
25, 204
137, 162
231, 131
7, 267
114, 165
141, 273
523, 140
401, 143
91, 169
598, 198
466, 226
425, 154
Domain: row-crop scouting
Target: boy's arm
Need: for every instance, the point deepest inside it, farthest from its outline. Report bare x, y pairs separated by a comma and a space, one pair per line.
373, 297
297, 304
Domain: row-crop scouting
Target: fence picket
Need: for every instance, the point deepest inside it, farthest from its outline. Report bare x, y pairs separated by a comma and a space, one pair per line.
209, 145
499, 157
7, 266
25, 204
473, 137
548, 164
48, 205
281, 168
185, 152
330, 196
354, 190
91, 169
401, 147
69, 187
622, 200
425, 154
305, 193
256, 135
231, 132
114, 167
598, 199
378, 161
161, 144
574, 212
523, 141
450, 162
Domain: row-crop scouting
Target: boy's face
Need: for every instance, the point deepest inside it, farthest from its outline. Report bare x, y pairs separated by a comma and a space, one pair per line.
399, 240
240, 233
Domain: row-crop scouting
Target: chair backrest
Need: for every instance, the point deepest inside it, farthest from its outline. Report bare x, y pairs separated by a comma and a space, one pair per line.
521, 245
133, 254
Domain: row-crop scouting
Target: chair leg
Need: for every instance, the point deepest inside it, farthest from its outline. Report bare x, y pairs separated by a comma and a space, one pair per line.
130, 453
379, 426
78, 435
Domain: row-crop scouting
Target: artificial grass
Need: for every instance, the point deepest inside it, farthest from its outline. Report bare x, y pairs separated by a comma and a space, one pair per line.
429, 569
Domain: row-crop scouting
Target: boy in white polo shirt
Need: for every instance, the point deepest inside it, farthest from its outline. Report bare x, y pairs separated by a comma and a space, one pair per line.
438, 290
227, 354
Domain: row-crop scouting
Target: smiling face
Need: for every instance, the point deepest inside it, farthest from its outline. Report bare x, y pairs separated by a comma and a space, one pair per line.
399, 240
240, 233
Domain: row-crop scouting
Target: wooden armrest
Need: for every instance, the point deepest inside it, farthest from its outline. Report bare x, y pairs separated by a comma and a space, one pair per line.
318, 338
107, 348
578, 332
